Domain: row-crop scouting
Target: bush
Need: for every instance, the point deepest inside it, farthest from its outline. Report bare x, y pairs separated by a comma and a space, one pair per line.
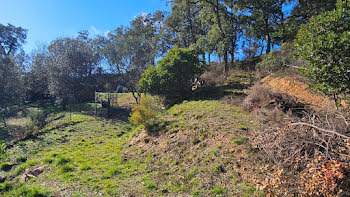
38, 118
325, 44
145, 113
172, 77
278, 61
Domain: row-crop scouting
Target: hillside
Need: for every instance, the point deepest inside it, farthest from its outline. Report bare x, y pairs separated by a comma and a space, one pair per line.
202, 148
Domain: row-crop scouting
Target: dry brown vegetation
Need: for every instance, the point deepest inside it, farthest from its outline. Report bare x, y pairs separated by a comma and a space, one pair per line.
299, 91
307, 152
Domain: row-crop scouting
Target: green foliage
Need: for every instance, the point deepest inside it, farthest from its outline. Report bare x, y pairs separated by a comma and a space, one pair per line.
172, 77
145, 113
242, 127
6, 186
67, 168
325, 44
276, 61
218, 190
240, 140
38, 118
31, 192
62, 160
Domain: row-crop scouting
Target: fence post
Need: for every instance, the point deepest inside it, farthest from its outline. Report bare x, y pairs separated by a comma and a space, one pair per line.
95, 105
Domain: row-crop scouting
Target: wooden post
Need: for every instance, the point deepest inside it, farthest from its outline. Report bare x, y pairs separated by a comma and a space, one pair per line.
95, 105
108, 103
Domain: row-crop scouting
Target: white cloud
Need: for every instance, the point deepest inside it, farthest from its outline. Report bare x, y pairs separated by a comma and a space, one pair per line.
94, 31
144, 15
106, 33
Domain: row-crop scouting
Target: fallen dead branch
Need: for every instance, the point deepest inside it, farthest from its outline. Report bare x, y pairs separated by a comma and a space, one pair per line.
320, 129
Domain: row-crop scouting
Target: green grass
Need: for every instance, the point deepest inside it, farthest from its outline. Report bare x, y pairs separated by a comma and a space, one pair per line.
240, 140
97, 156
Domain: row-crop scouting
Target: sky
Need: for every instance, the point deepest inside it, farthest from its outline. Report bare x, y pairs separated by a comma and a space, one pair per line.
47, 20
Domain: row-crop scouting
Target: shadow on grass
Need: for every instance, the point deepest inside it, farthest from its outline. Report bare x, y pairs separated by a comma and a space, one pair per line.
4, 134
219, 92
158, 128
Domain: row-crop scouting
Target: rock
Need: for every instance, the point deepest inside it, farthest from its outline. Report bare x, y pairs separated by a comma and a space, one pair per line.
33, 173
2, 178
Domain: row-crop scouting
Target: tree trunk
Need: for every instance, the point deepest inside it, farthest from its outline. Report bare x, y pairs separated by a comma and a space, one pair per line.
137, 96
267, 36
209, 58
233, 52
226, 68
262, 47
203, 56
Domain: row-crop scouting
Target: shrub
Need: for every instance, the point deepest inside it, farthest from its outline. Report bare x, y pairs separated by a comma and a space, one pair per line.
325, 44
172, 77
145, 113
38, 118
278, 61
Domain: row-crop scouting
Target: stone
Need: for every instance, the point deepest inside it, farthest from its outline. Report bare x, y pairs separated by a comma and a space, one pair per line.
33, 173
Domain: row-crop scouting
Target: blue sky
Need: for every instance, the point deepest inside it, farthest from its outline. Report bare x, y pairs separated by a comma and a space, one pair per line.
49, 19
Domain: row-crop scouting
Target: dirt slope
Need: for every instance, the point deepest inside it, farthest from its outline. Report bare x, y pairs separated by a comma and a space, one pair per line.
299, 90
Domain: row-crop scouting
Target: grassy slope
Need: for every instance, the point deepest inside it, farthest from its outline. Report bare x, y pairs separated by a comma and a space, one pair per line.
202, 148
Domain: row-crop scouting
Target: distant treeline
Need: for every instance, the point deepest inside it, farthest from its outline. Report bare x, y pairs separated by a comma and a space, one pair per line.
70, 67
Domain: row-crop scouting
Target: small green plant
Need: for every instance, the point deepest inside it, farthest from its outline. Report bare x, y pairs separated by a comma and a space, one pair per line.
67, 168
150, 185
84, 167
48, 160
62, 160
240, 140
218, 190
242, 127
197, 193
38, 118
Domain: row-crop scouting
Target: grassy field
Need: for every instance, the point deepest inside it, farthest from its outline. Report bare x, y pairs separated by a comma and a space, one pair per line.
201, 148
